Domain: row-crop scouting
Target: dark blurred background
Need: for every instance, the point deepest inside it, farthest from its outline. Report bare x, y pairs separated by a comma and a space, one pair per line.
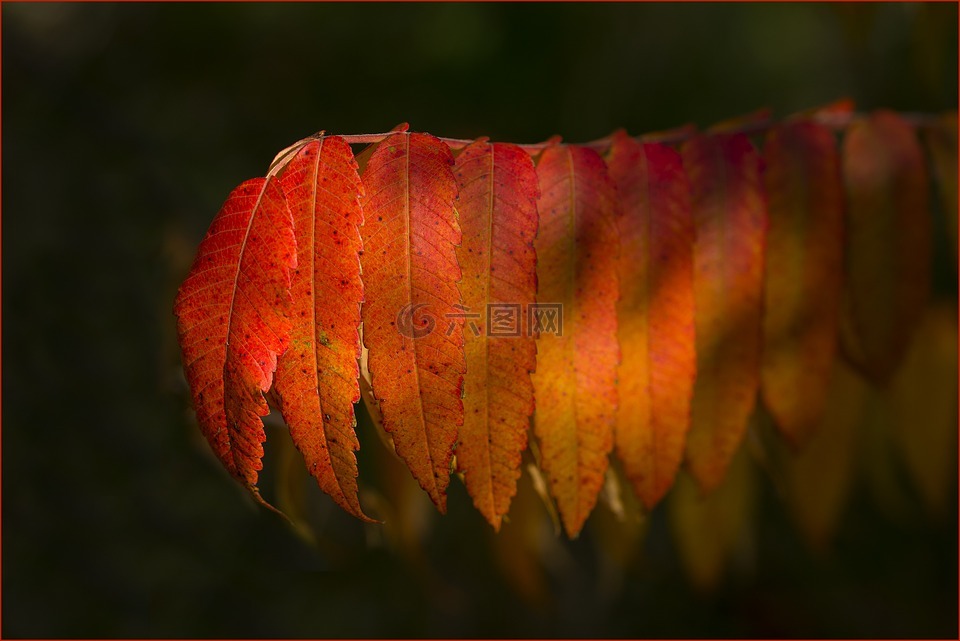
125, 127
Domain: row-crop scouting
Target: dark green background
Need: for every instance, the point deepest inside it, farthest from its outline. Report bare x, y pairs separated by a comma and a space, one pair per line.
124, 128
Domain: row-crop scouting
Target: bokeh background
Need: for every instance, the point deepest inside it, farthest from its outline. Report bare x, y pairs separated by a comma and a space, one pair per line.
123, 129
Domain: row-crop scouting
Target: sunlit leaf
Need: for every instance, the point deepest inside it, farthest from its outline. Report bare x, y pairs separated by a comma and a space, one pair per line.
317, 378
232, 319
411, 326
655, 314
577, 354
498, 215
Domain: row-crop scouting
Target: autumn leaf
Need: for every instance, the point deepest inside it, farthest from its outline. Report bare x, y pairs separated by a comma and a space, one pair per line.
730, 222
498, 216
708, 530
819, 477
923, 395
232, 319
804, 267
655, 314
575, 380
317, 376
666, 256
410, 324
888, 241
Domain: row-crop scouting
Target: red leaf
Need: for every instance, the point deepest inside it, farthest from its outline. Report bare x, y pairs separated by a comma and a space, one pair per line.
232, 319
655, 314
317, 377
409, 317
889, 241
498, 215
731, 222
804, 267
575, 381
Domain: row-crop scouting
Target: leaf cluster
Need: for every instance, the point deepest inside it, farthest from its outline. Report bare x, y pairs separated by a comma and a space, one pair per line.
635, 295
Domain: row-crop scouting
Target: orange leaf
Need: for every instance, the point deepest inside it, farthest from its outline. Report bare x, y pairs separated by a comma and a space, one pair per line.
575, 381
655, 313
232, 320
889, 241
410, 324
317, 377
730, 221
804, 266
498, 215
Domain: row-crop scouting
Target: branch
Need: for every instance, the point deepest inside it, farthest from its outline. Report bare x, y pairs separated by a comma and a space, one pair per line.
836, 119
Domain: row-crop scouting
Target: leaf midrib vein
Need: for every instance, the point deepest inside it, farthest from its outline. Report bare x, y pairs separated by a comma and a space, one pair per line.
313, 315
230, 314
416, 352
572, 236
488, 266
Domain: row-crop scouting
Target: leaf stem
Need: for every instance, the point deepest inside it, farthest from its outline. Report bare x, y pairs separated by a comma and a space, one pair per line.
832, 119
